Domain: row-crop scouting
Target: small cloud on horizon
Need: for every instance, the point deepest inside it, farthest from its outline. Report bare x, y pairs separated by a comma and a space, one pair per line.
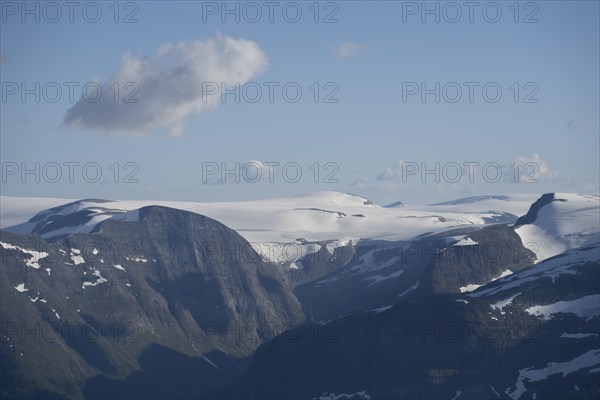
348, 49
251, 171
577, 125
530, 168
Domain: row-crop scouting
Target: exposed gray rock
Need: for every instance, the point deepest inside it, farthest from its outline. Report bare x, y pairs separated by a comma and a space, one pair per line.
170, 285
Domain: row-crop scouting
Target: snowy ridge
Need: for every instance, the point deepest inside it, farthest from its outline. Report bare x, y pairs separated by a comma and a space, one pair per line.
550, 268
584, 307
568, 222
473, 286
586, 360
334, 217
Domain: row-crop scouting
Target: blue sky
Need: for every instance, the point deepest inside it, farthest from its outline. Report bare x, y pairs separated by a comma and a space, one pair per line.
368, 140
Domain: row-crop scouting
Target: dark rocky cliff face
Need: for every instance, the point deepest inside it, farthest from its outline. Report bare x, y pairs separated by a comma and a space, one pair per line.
485, 345
379, 273
124, 300
535, 208
498, 249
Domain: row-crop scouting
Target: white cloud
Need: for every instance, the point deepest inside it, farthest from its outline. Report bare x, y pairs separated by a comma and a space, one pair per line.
171, 86
251, 171
533, 167
394, 171
529, 169
348, 49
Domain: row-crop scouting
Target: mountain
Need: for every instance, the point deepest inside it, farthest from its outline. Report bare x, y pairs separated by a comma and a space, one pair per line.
326, 242
380, 274
557, 222
325, 295
474, 199
533, 334
396, 204
475, 260
135, 306
282, 229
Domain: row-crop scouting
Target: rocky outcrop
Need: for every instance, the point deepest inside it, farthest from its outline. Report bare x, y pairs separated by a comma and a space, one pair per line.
485, 255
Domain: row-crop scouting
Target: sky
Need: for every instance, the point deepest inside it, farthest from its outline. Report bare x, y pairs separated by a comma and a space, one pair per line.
219, 101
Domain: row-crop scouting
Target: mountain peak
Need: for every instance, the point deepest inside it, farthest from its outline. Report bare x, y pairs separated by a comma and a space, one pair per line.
531, 215
473, 199
396, 204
